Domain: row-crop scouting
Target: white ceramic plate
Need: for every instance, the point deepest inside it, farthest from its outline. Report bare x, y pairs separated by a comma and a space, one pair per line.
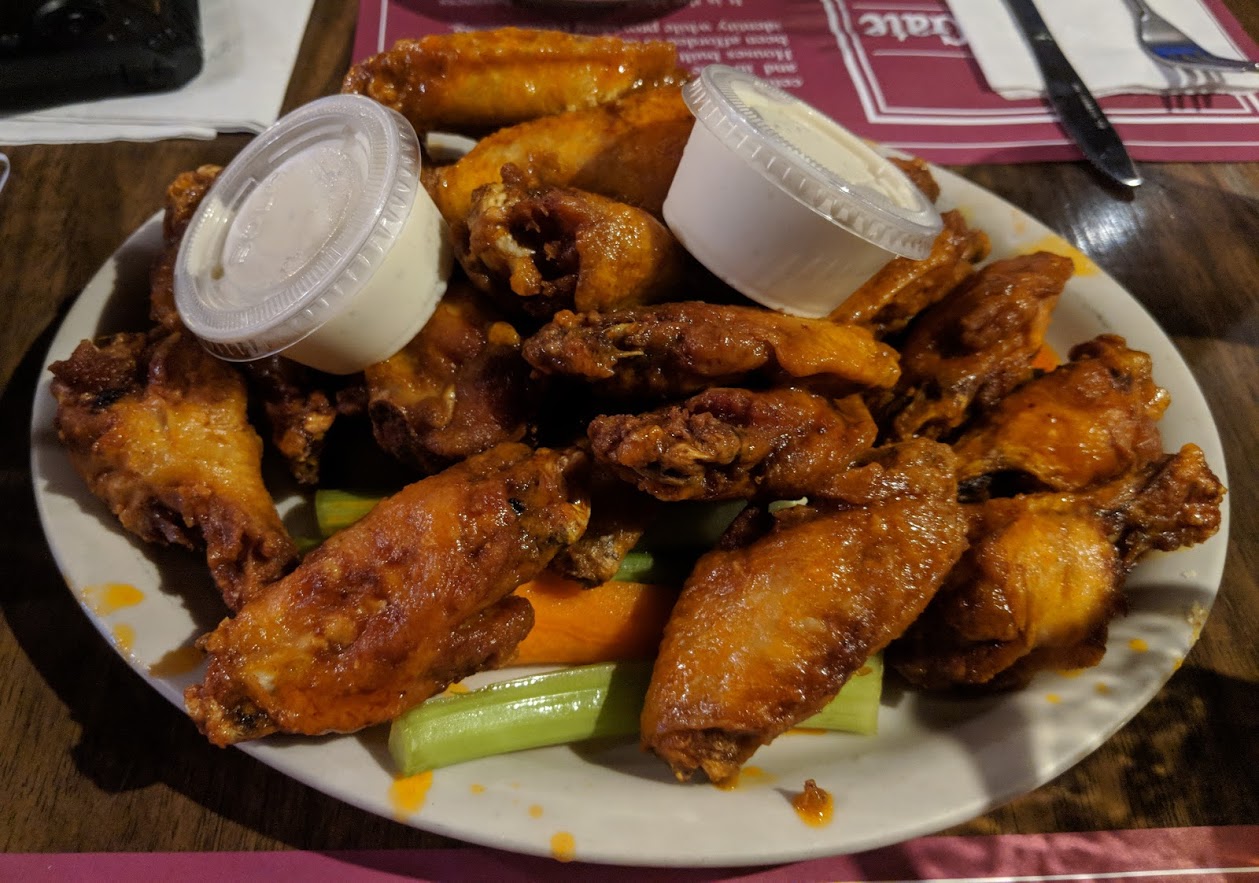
936, 762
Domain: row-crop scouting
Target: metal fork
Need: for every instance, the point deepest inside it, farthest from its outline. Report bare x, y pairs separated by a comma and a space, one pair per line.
1164, 42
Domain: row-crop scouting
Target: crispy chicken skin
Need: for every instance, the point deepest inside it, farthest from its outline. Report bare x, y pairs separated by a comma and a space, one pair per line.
183, 197
765, 634
903, 288
1043, 576
298, 404
480, 80
969, 350
1168, 504
1088, 421
725, 444
627, 150
157, 428
389, 611
619, 516
458, 388
552, 248
675, 349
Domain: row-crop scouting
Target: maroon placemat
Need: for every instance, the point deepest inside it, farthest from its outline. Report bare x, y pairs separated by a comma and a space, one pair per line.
897, 72
1199, 854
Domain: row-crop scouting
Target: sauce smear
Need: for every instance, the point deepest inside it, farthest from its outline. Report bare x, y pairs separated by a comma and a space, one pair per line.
407, 795
179, 661
563, 846
111, 597
814, 805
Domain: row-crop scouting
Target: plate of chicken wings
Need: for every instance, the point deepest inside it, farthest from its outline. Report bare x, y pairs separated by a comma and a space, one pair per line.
990, 466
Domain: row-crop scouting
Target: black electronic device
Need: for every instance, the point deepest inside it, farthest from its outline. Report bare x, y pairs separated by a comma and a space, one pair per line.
58, 51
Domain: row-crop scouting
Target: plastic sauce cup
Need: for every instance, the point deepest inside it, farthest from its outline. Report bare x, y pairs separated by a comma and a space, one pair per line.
318, 241
784, 204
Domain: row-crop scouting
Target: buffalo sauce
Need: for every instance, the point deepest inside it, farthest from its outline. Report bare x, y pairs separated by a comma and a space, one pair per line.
407, 795
815, 806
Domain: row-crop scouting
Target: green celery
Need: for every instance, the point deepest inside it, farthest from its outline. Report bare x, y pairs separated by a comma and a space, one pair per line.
569, 705
337, 509
660, 568
858, 712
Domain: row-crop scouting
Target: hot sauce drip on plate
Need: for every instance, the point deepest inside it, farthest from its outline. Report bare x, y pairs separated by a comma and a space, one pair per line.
815, 806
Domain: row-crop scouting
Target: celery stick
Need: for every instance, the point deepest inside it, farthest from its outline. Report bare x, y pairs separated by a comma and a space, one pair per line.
660, 568
856, 708
569, 705
305, 543
336, 509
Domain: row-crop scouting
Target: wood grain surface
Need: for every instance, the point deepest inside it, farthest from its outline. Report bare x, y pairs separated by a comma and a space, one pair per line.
92, 759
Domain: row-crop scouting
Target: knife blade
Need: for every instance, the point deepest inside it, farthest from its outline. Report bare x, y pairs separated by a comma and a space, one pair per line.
1077, 109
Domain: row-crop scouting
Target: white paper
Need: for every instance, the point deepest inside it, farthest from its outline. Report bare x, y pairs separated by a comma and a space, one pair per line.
1099, 38
249, 49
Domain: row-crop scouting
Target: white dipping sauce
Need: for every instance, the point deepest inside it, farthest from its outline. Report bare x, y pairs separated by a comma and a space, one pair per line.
289, 218
785, 205
317, 242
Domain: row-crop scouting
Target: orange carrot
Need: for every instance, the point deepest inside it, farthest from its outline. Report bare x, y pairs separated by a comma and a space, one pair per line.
1046, 359
574, 625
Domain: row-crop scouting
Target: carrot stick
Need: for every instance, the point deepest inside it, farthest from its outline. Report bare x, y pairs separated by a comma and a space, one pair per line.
573, 625
1046, 359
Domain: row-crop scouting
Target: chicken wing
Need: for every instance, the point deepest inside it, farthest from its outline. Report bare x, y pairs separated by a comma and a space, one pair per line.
903, 288
553, 248
764, 635
157, 428
183, 197
1090, 420
725, 444
480, 80
392, 609
627, 150
1043, 577
458, 388
679, 348
975, 346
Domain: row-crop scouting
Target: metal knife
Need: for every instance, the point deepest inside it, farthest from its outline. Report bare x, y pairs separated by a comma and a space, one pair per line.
1077, 109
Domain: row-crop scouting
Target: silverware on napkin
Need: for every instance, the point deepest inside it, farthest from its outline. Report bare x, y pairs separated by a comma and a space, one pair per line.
1077, 109
1166, 43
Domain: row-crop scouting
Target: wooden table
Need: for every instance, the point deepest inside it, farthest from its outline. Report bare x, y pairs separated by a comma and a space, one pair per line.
93, 759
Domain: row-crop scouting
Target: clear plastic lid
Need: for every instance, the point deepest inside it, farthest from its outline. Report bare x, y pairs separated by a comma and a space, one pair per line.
815, 160
296, 225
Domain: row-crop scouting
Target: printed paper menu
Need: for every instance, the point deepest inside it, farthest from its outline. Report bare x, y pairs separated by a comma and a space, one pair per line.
896, 72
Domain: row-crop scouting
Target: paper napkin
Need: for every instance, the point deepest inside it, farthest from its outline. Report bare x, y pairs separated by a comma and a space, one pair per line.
1099, 38
249, 49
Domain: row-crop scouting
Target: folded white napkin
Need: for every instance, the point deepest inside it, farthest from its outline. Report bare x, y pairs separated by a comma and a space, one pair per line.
1099, 38
249, 50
